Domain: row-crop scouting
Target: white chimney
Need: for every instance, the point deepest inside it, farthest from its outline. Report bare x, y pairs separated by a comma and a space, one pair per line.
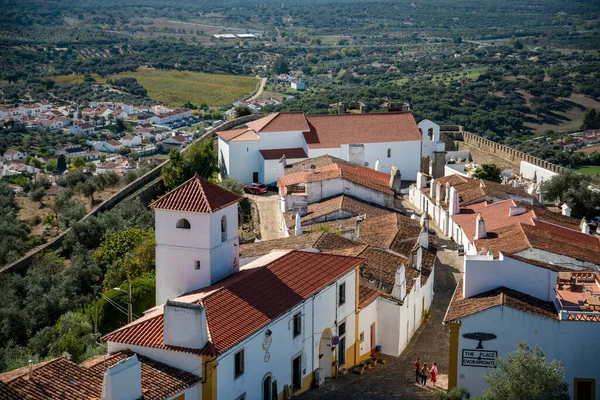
184, 325
566, 210
298, 231
480, 231
425, 220
421, 180
585, 227
453, 202
424, 238
283, 161
30, 369
438, 194
516, 210
377, 165
432, 188
399, 289
123, 381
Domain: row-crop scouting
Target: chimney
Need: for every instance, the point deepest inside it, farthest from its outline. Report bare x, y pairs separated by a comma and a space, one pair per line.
184, 325
298, 231
362, 107
480, 231
395, 180
30, 369
359, 221
424, 238
341, 108
283, 161
399, 290
438, 194
453, 202
123, 381
421, 180
425, 220
377, 165
516, 210
432, 188
566, 210
585, 227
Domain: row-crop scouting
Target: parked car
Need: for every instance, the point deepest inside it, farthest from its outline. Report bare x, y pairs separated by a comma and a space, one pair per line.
256, 188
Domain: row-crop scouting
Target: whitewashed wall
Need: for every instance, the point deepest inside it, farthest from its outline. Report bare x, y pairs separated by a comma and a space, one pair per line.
569, 341
562, 260
241, 159
280, 140
528, 170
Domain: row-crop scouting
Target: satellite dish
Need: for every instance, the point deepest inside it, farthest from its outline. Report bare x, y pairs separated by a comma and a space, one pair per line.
366, 163
336, 340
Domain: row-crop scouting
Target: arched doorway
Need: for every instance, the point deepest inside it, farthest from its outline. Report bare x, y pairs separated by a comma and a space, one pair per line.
267, 387
325, 353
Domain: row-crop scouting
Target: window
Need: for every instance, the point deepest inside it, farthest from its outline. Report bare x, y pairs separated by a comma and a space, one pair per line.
239, 363
430, 134
297, 324
342, 344
241, 396
389, 153
342, 294
197, 264
584, 389
361, 337
223, 228
183, 224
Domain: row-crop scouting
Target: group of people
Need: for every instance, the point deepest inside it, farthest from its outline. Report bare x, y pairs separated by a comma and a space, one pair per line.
423, 372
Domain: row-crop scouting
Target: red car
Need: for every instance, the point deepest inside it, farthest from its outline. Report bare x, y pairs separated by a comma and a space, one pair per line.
256, 188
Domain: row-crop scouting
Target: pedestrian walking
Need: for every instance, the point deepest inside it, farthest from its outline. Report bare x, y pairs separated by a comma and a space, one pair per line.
424, 374
434, 372
418, 370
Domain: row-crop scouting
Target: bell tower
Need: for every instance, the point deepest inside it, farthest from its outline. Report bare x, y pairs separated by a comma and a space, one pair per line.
197, 240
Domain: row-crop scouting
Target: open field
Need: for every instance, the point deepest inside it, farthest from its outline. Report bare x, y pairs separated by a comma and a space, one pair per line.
590, 149
592, 170
175, 88
569, 119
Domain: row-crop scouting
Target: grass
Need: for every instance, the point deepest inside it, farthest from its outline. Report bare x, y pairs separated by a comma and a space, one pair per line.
592, 170
465, 74
569, 119
175, 88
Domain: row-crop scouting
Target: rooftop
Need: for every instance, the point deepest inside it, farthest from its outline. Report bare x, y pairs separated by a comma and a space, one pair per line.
578, 292
315, 162
61, 379
196, 195
245, 302
276, 154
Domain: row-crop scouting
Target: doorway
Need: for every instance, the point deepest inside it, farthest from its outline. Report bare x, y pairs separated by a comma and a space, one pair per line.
373, 337
297, 373
255, 177
267, 387
342, 344
585, 389
325, 354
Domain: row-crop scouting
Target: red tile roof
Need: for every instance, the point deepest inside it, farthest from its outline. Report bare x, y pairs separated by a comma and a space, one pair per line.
315, 162
242, 304
229, 135
276, 154
62, 379
366, 295
502, 296
281, 122
196, 195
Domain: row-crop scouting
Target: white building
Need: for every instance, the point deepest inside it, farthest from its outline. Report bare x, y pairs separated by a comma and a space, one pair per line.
81, 128
252, 154
297, 84
171, 116
251, 332
11, 155
131, 140
500, 302
110, 146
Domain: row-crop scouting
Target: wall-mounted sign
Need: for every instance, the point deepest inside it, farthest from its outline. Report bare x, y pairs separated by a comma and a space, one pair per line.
479, 358
336, 340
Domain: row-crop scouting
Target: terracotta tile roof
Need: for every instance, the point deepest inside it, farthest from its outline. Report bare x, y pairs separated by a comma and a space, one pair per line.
316, 162
281, 122
261, 248
366, 295
502, 296
238, 135
350, 205
340, 226
331, 131
354, 173
393, 231
196, 195
381, 266
62, 379
276, 154
240, 305
537, 263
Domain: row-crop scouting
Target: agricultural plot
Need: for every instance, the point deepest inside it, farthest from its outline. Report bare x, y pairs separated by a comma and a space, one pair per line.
175, 88
592, 170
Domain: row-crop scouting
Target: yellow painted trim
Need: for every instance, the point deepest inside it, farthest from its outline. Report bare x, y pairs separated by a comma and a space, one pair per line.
209, 387
365, 356
453, 355
306, 384
350, 354
356, 356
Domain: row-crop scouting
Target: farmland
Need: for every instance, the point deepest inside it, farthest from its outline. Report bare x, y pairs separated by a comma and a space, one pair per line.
592, 170
175, 88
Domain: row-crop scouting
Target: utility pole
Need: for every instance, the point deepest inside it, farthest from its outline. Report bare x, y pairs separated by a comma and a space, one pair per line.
129, 303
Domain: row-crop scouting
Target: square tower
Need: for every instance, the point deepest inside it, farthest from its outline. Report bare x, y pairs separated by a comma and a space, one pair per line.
197, 240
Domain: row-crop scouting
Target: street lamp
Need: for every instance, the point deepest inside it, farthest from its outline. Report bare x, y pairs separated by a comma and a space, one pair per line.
129, 303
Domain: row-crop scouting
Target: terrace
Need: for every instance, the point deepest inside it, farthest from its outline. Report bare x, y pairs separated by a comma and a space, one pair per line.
578, 295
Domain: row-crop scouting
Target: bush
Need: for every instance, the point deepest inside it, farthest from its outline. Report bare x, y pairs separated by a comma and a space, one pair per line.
457, 393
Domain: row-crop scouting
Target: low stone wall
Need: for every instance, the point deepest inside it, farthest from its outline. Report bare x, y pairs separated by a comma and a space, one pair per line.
145, 188
485, 151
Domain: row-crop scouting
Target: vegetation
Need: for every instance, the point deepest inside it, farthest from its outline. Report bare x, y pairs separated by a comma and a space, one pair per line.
13, 232
200, 158
573, 189
456, 393
489, 172
526, 374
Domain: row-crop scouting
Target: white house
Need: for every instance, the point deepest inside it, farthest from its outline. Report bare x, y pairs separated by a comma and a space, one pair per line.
171, 116
268, 328
110, 146
81, 128
176, 140
297, 84
74, 151
500, 302
131, 140
252, 154
11, 155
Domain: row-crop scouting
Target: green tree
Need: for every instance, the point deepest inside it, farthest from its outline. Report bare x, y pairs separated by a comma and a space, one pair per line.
489, 172
280, 66
233, 186
61, 163
591, 119
526, 374
116, 245
88, 189
78, 162
38, 195
573, 189
200, 158
241, 111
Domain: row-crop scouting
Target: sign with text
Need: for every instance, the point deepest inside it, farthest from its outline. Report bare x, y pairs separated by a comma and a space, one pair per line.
479, 358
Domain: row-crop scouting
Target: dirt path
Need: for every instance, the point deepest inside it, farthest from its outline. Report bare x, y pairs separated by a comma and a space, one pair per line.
256, 95
270, 223
396, 379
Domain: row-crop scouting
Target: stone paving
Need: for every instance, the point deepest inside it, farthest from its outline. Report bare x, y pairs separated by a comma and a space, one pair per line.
270, 223
396, 379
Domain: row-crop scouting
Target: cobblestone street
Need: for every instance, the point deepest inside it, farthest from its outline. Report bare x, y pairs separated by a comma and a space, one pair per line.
396, 379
